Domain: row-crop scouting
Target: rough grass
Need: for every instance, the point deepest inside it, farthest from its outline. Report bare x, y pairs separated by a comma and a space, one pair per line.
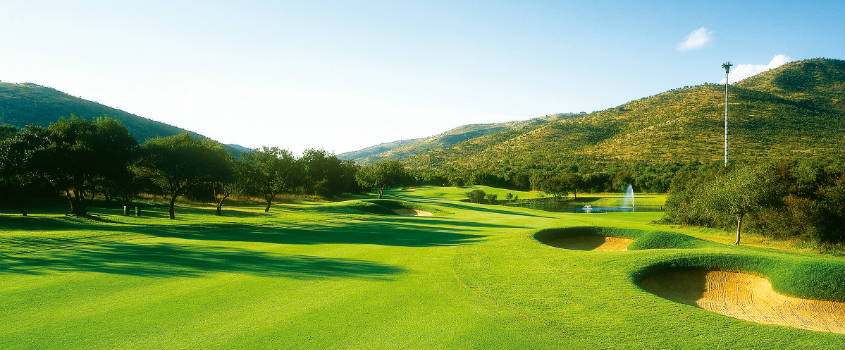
329, 275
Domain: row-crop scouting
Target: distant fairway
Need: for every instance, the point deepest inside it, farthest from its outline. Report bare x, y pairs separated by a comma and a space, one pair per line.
352, 274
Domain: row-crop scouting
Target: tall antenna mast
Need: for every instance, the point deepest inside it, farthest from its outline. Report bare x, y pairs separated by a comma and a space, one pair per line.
727, 66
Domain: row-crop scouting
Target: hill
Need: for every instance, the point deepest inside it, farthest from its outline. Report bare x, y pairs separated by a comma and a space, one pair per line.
27, 103
404, 149
793, 111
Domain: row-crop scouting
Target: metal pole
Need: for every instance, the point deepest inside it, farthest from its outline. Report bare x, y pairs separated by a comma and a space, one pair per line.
726, 117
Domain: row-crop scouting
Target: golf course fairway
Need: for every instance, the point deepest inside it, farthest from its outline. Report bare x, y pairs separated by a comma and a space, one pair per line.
354, 274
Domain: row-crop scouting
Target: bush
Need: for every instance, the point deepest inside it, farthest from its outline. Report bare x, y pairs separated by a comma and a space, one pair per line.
492, 198
476, 196
808, 200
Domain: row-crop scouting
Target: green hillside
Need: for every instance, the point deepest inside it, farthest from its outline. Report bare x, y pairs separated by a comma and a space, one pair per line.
404, 149
367, 155
789, 112
27, 103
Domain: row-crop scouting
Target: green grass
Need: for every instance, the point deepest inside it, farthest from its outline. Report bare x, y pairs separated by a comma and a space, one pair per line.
350, 275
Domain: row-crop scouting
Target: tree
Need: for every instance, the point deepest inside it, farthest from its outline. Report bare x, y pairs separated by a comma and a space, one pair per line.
741, 192
17, 166
324, 173
476, 196
7, 131
81, 153
229, 184
383, 174
268, 172
175, 163
557, 186
572, 182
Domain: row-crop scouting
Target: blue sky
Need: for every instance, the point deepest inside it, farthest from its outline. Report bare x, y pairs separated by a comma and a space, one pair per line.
344, 75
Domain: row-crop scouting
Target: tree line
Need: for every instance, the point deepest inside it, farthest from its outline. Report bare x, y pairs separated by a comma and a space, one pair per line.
802, 199
79, 158
583, 175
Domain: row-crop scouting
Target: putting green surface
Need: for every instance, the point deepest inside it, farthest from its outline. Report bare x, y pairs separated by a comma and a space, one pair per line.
346, 275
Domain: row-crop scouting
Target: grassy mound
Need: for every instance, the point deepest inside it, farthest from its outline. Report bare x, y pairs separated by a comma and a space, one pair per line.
643, 239
795, 276
668, 240
746, 296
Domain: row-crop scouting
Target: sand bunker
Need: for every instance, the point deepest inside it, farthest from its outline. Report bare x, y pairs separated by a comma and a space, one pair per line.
590, 242
412, 212
746, 296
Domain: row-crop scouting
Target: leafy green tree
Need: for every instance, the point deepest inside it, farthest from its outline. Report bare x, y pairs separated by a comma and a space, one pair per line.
229, 184
324, 172
81, 153
492, 198
741, 192
382, 175
7, 131
175, 163
554, 185
476, 196
268, 172
17, 166
572, 182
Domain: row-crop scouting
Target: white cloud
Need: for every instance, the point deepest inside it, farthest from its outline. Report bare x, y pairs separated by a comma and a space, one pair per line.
697, 39
742, 71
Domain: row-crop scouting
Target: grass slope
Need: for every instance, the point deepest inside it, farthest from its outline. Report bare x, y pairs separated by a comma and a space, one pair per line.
790, 112
330, 275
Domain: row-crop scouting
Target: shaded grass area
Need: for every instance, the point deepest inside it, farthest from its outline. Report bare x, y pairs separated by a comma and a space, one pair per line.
168, 259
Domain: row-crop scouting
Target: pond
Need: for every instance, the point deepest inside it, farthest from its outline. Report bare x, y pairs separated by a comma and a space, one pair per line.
603, 205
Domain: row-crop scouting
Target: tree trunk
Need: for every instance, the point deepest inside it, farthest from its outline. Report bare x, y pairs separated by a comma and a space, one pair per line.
172, 204
380, 193
738, 227
267, 208
77, 202
575, 192
69, 201
220, 204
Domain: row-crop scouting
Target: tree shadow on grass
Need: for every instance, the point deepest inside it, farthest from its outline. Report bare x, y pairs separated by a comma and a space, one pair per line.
166, 259
391, 233
366, 232
488, 209
42, 223
429, 220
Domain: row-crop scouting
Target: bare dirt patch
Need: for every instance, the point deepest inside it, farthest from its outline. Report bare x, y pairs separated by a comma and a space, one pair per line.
591, 242
412, 212
746, 296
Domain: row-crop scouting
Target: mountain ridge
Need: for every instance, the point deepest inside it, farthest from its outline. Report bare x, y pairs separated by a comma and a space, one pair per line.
778, 113
22, 104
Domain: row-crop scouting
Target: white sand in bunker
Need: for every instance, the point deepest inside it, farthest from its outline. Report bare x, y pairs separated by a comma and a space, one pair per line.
412, 212
591, 242
746, 296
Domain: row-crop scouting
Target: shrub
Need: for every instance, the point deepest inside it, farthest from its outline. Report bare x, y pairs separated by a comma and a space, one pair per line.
476, 196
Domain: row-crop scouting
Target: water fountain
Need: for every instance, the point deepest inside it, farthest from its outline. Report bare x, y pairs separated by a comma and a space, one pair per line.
628, 198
